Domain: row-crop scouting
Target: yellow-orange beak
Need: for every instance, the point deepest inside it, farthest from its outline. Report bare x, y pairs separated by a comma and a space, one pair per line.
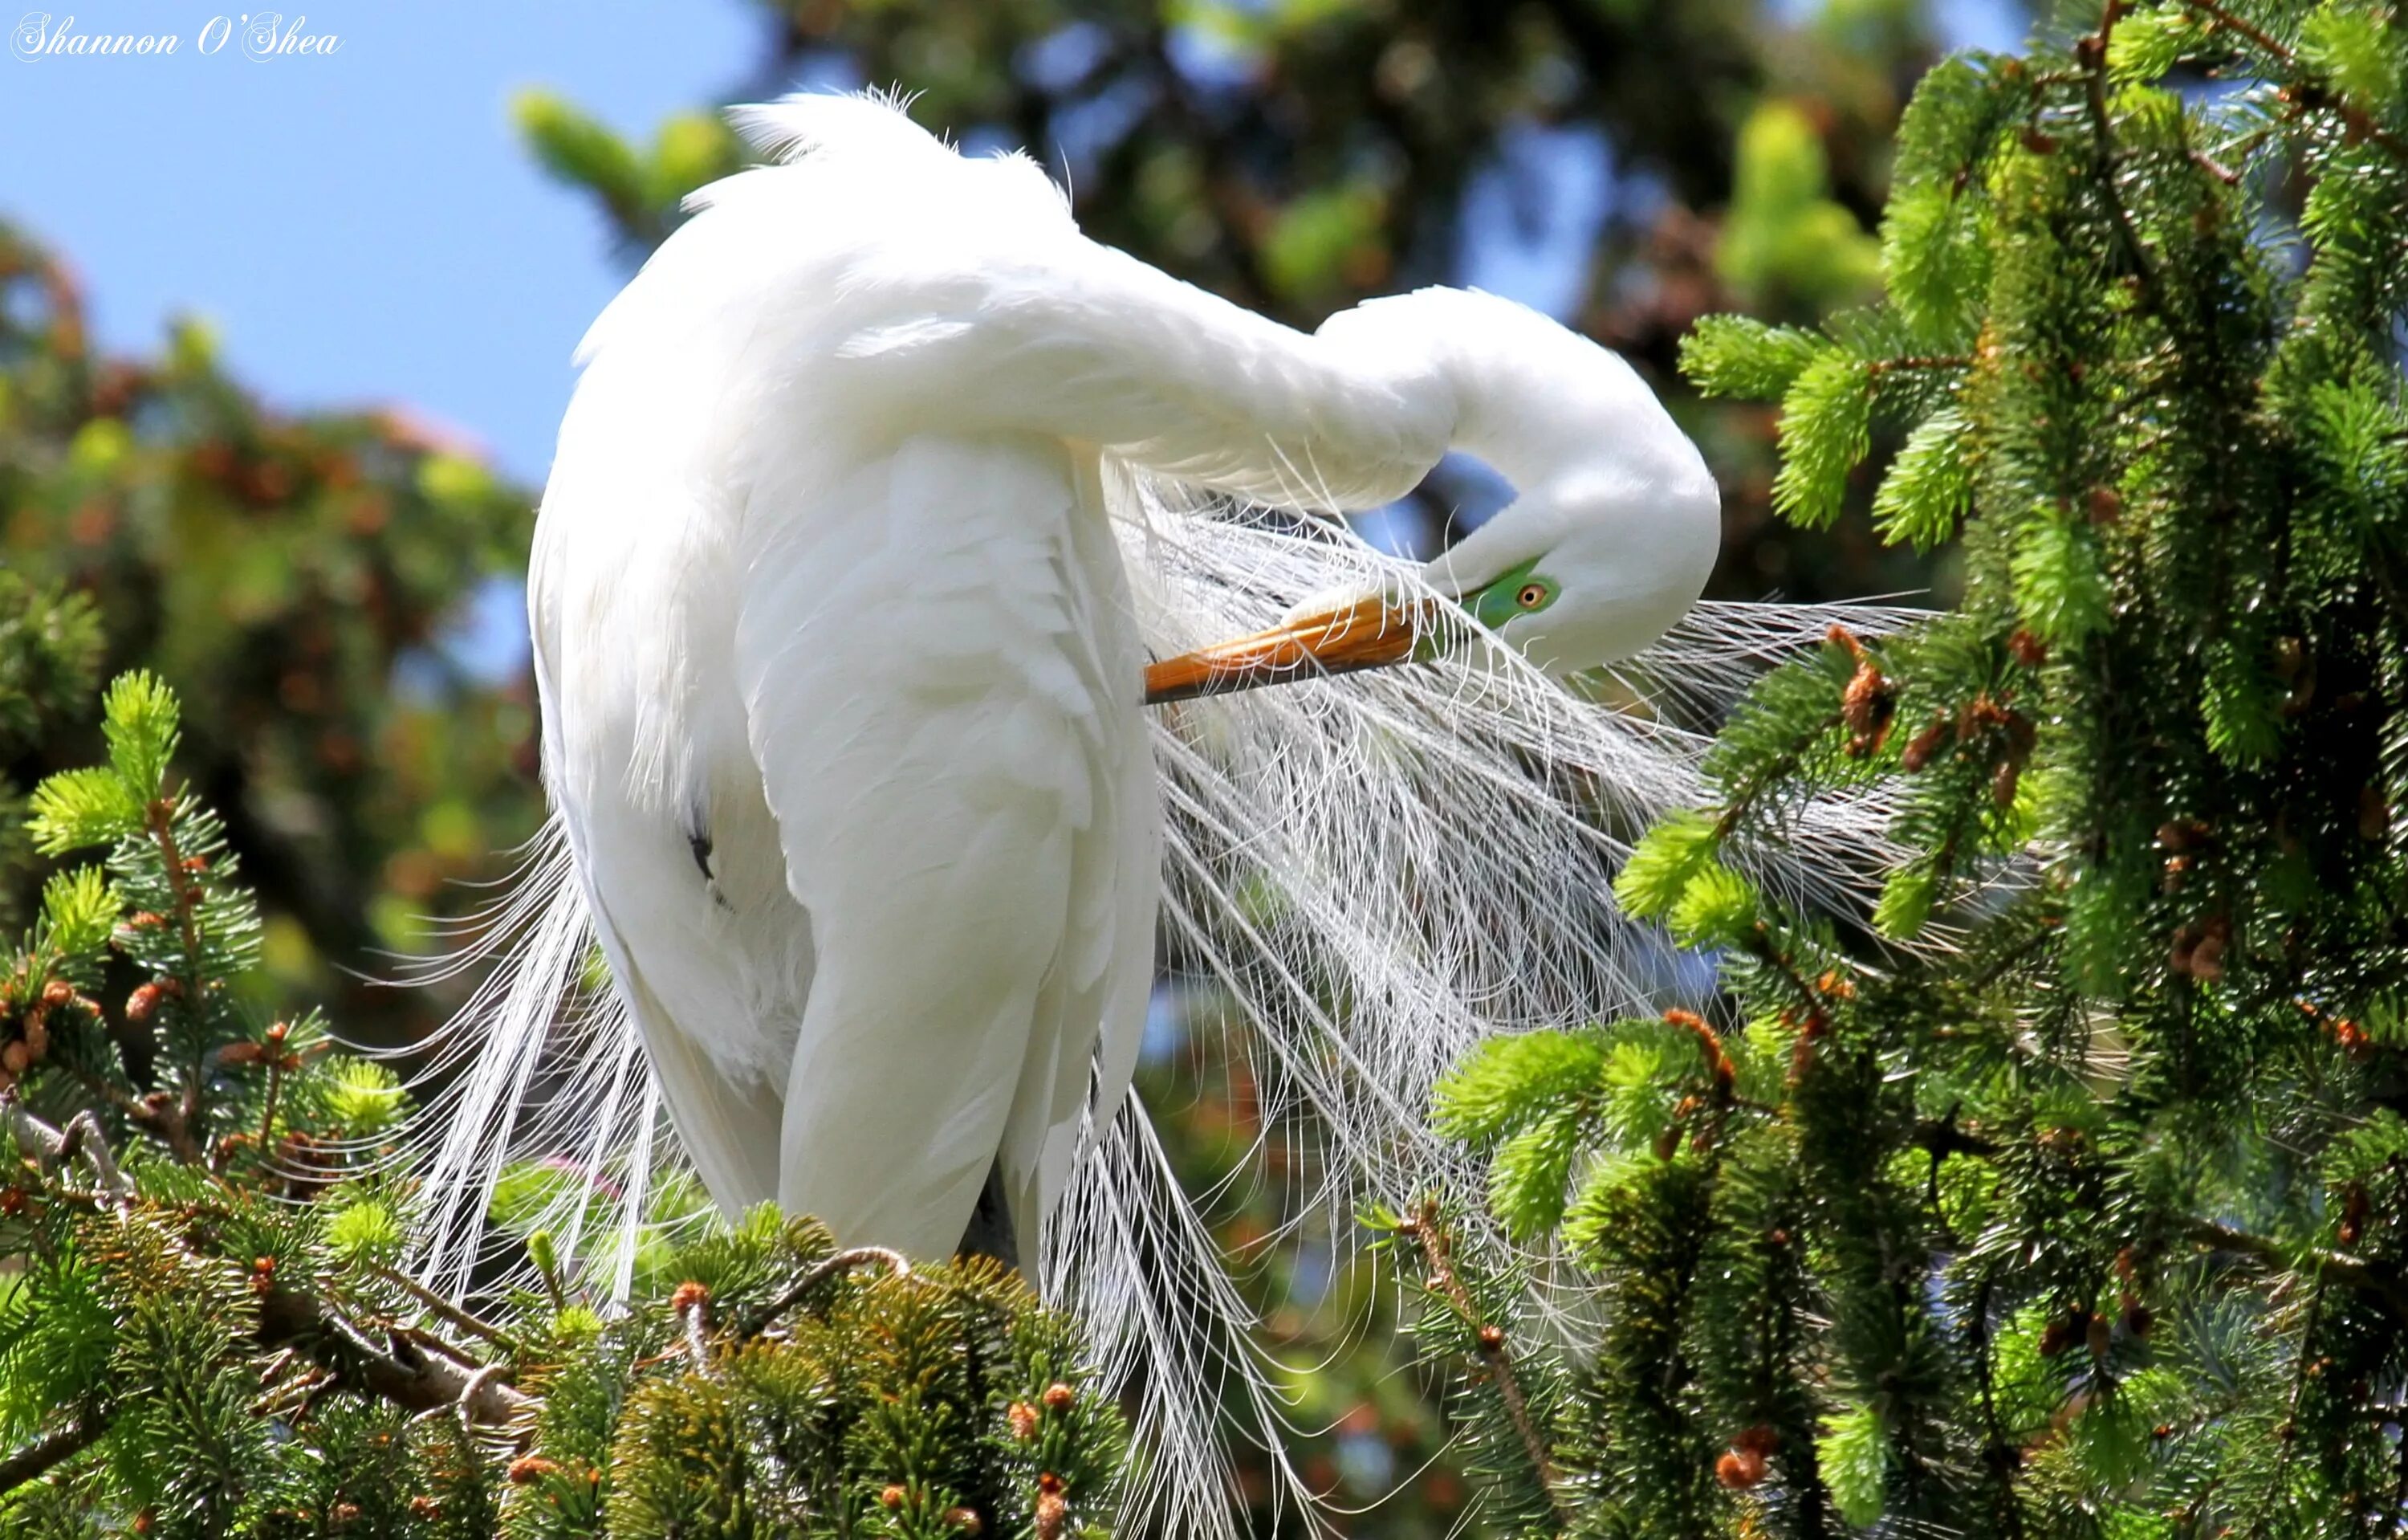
1370, 633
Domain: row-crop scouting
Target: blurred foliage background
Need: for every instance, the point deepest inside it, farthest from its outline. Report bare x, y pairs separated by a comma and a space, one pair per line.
306, 582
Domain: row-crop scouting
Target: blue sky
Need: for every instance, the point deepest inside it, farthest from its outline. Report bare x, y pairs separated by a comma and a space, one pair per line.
363, 227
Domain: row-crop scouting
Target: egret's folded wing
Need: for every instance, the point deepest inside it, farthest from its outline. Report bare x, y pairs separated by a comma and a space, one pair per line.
940, 732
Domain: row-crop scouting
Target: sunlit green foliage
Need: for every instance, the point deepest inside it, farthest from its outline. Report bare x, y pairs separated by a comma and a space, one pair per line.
2064, 1192
301, 581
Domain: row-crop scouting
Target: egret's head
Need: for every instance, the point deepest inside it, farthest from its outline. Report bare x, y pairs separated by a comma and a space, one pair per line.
1580, 574
1573, 574
1607, 540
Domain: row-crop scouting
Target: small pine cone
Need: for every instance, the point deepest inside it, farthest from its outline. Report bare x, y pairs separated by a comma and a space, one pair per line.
891, 1498
37, 1033
687, 1296
1739, 1469
14, 1057
2060, 1334
1060, 1397
423, 1506
1867, 708
1925, 744
1053, 1515
2003, 781
142, 1004
2353, 1040
2207, 959
343, 1513
964, 1520
2354, 1209
1492, 1340
2106, 505
57, 992
2185, 942
2027, 649
12, 1201
1024, 1421
2098, 1335
529, 1468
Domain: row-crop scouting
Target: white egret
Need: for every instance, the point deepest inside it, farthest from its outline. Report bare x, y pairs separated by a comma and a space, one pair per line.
881, 485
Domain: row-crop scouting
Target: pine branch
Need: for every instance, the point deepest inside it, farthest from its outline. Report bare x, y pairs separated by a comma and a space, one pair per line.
2325, 1266
2092, 53
438, 1305
57, 1147
1496, 1353
843, 1262
414, 1370
55, 1449
2306, 91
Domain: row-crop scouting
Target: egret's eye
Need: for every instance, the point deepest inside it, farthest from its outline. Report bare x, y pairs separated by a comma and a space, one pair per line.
1532, 595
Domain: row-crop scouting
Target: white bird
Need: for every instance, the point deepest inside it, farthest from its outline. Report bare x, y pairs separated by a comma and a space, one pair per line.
879, 486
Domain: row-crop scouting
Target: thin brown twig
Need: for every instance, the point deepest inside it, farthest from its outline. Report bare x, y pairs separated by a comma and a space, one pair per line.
1497, 1361
2093, 54
2245, 27
57, 1147
436, 1304
2308, 93
53, 1448
402, 1372
2325, 1267
843, 1262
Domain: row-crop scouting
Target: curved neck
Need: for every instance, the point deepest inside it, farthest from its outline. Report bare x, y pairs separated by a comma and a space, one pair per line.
1540, 403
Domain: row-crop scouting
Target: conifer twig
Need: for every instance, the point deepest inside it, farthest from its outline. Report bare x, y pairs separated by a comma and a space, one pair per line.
404, 1374
1494, 1351
2324, 1266
81, 1136
2092, 51
53, 1448
2308, 93
843, 1262
439, 1305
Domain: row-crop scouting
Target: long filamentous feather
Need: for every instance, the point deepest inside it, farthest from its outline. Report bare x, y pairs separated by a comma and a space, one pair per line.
1376, 872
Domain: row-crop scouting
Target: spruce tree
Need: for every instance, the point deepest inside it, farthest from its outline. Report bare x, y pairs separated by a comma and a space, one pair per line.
2064, 1192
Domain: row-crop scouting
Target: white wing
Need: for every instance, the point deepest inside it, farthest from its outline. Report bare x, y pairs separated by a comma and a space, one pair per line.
939, 680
